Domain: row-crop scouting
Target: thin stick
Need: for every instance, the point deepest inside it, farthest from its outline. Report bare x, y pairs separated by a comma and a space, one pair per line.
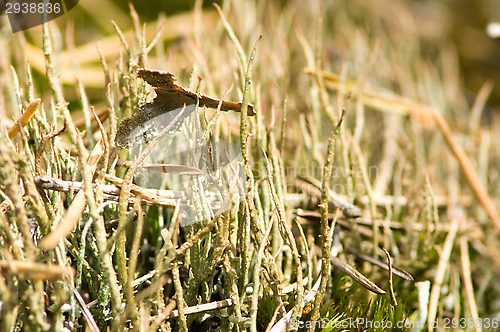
148, 196
391, 288
75, 210
32, 270
196, 309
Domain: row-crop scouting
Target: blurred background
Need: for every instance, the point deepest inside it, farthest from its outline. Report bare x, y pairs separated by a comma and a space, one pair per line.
458, 26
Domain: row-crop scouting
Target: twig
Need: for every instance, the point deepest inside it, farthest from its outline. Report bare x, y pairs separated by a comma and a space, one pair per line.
74, 211
32, 270
203, 308
43, 143
48, 183
308, 279
391, 289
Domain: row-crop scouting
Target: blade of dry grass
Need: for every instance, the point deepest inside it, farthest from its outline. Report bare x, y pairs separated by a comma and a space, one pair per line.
468, 286
32, 270
356, 275
468, 169
25, 118
444, 262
